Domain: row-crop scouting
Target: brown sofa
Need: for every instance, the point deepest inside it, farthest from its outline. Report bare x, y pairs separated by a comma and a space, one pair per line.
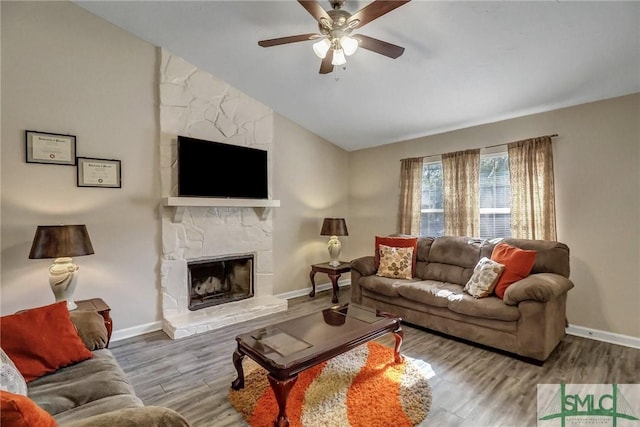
529, 322
96, 392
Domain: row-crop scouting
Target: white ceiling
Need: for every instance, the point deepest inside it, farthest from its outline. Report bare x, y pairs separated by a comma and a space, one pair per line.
465, 63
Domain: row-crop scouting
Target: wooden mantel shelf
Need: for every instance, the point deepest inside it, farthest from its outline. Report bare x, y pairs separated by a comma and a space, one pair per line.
179, 203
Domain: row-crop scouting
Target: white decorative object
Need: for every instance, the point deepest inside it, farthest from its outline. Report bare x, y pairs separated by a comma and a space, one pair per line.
63, 278
334, 247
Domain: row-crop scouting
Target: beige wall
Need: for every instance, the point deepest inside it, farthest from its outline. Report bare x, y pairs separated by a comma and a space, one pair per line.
597, 172
310, 180
66, 71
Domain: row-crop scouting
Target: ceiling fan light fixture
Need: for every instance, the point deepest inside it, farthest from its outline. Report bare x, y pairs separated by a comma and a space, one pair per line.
349, 45
338, 57
321, 48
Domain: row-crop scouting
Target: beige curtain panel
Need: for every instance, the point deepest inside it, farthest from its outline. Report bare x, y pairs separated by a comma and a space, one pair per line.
410, 196
533, 212
461, 176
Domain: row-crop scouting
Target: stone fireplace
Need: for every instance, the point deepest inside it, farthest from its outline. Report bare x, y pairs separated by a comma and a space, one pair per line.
196, 104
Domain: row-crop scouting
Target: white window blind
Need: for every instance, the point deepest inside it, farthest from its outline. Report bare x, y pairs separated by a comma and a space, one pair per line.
495, 196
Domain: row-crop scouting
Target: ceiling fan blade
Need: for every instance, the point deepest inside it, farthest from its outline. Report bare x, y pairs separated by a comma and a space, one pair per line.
326, 66
378, 46
375, 10
315, 9
289, 39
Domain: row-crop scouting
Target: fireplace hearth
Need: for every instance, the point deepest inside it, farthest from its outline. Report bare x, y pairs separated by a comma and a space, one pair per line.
220, 280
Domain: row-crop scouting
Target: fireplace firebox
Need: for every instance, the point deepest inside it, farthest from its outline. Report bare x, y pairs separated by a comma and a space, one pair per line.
220, 280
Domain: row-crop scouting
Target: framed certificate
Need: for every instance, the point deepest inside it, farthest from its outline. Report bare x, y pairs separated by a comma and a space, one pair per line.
50, 148
99, 173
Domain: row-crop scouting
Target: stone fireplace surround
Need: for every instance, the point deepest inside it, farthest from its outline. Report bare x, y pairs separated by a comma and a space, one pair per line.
195, 103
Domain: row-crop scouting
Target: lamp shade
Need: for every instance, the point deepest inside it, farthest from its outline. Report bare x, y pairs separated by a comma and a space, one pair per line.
334, 227
56, 241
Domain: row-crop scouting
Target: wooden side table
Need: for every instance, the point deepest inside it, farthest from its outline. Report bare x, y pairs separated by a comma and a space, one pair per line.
334, 274
98, 304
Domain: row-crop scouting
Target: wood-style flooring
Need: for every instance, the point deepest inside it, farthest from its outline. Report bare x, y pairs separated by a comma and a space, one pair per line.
472, 386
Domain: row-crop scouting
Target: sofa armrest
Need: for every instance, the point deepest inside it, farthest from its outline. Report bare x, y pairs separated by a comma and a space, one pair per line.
91, 328
145, 416
541, 287
365, 265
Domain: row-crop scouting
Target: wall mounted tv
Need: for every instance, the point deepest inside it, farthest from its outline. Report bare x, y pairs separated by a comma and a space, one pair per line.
214, 169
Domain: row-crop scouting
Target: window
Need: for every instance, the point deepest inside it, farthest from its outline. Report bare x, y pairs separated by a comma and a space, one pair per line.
494, 197
432, 212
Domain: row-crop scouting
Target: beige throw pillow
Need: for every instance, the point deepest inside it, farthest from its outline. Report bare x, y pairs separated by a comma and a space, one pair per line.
485, 277
395, 263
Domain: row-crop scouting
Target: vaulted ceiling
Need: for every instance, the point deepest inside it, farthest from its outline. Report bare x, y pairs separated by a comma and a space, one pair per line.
465, 63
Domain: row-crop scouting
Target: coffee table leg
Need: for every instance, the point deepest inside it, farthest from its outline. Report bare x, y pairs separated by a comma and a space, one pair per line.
398, 335
238, 383
281, 389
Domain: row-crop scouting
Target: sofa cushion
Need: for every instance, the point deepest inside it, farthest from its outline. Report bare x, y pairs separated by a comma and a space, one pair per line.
517, 265
383, 285
11, 379
490, 307
90, 327
17, 410
452, 259
92, 387
42, 340
395, 263
484, 278
397, 242
429, 292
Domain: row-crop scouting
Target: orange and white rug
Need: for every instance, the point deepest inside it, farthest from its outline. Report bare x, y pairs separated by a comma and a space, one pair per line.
360, 388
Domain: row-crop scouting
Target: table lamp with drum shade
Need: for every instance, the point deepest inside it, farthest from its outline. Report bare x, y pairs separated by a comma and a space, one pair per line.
62, 242
334, 227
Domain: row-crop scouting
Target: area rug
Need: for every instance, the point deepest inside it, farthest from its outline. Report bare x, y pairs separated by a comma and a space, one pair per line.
360, 388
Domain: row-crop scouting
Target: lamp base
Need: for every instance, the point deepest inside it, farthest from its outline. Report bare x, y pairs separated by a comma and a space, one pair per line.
334, 247
63, 278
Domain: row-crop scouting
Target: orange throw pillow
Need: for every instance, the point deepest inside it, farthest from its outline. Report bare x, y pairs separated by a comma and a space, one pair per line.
42, 340
20, 411
397, 242
517, 265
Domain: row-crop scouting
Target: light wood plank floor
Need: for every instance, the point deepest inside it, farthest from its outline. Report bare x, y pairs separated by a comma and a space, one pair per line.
472, 386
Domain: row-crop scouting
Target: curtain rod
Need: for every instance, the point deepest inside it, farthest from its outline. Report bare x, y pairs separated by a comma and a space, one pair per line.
490, 146
507, 143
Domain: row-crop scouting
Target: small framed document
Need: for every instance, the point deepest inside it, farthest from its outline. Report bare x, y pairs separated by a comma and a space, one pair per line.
50, 148
99, 173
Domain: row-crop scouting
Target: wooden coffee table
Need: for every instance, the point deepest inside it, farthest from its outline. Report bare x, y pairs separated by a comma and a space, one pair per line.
288, 348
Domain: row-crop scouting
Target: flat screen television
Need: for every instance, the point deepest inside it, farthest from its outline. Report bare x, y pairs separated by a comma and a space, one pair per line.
214, 169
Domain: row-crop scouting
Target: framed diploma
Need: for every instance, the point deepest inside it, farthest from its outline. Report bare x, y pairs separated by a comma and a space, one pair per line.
50, 148
99, 173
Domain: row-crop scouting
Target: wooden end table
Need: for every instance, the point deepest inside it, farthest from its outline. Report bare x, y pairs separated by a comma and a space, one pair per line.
334, 274
98, 305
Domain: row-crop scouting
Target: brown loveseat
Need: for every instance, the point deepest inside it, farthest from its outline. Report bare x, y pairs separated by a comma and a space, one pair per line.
530, 321
96, 392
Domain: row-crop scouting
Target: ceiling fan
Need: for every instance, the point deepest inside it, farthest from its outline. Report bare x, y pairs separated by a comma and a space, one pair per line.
335, 40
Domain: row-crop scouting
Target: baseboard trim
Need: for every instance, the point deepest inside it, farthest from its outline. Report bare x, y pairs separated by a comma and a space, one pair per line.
604, 336
319, 288
134, 331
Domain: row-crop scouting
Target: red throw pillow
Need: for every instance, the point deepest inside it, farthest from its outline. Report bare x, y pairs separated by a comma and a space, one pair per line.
42, 340
517, 265
20, 411
397, 242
